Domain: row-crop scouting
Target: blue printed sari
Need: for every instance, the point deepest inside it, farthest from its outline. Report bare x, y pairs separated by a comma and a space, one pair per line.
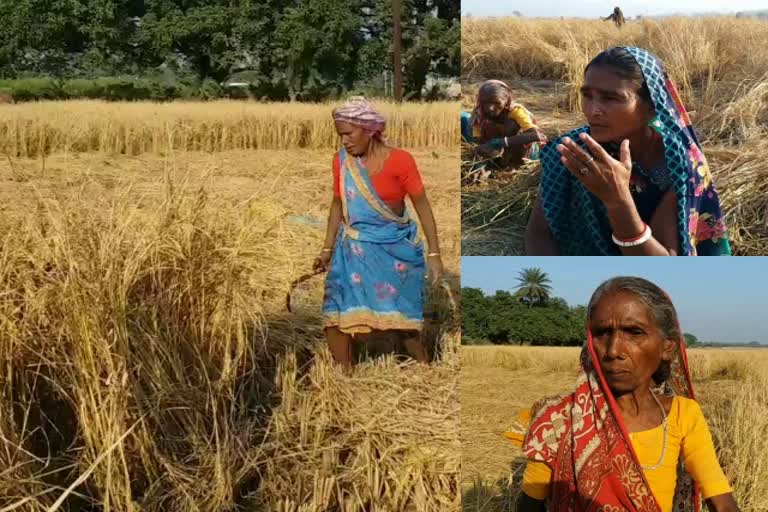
579, 221
376, 276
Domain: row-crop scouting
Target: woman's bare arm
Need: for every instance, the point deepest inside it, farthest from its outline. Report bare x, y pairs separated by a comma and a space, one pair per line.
334, 221
624, 218
530, 135
722, 503
428, 224
538, 238
427, 218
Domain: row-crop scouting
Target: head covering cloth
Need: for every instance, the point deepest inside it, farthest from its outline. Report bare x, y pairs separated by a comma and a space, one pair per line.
358, 111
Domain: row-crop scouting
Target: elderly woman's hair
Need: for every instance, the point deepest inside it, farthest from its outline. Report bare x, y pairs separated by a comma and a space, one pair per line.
492, 90
654, 299
619, 61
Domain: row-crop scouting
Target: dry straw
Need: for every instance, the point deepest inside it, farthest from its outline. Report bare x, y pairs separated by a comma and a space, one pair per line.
28, 130
139, 342
714, 60
383, 438
132, 347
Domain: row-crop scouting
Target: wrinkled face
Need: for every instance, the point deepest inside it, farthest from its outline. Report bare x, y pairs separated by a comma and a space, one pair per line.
493, 104
612, 105
354, 139
628, 342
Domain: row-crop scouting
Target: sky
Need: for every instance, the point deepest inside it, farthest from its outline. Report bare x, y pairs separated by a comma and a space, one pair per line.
595, 8
717, 299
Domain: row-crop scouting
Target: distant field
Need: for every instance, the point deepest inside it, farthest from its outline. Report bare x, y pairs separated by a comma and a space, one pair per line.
28, 130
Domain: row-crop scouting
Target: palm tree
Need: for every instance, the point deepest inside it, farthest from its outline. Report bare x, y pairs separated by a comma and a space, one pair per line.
534, 286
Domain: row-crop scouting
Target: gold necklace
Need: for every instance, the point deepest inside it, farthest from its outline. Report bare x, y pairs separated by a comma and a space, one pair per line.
664, 444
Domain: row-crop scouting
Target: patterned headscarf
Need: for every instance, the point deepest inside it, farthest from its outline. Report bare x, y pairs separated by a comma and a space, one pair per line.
358, 111
582, 438
579, 221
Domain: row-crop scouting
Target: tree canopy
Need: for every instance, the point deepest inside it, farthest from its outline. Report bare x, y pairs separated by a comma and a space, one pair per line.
307, 50
504, 318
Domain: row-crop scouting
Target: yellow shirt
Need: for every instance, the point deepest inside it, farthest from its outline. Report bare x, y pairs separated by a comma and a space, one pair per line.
518, 114
687, 435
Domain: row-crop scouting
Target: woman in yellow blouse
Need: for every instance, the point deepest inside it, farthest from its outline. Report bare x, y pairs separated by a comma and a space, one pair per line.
502, 128
631, 436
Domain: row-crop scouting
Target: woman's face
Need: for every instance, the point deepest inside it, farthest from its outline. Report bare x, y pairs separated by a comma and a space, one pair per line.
493, 104
354, 139
613, 108
628, 343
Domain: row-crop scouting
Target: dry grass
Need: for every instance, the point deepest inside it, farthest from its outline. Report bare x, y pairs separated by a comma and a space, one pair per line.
142, 328
718, 63
731, 385
384, 439
712, 59
28, 130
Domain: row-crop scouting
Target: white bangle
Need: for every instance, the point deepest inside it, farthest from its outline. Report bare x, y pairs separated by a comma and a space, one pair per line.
644, 237
506, 142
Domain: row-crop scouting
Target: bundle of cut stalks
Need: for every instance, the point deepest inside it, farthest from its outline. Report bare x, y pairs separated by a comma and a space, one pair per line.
134, 360
384, 437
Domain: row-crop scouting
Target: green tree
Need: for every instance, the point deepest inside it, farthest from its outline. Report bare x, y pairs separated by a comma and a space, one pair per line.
201, 31
308, 50
690, 340
431, 37
534, 287
318, 44
474, 314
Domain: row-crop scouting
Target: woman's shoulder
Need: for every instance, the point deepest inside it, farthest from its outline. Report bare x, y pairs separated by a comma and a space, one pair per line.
400, 153
683, 403
401, 158
687, 411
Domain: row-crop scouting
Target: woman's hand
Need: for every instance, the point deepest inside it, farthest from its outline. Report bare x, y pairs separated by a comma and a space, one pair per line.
321, 262
604, 176
435, 263
489, 150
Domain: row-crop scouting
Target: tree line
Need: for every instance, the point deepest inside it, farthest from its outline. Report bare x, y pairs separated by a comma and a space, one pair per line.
528, 315
289, 49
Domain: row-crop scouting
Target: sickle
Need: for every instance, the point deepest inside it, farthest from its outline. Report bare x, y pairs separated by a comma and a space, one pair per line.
297, 282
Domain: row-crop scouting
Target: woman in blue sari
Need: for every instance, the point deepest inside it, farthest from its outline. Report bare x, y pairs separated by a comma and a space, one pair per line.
634, 181
373, 250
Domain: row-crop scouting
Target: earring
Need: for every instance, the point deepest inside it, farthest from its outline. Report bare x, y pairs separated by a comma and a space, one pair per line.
656, 125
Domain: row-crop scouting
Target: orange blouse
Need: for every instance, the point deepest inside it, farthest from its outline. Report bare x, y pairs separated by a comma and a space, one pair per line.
399, 177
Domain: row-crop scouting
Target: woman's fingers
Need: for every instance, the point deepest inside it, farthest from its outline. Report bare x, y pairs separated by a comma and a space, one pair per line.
578, 153
596, 149
571, 162
624, 154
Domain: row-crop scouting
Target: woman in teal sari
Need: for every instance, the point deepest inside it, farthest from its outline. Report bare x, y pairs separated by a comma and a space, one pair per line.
634, 180
373, 251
